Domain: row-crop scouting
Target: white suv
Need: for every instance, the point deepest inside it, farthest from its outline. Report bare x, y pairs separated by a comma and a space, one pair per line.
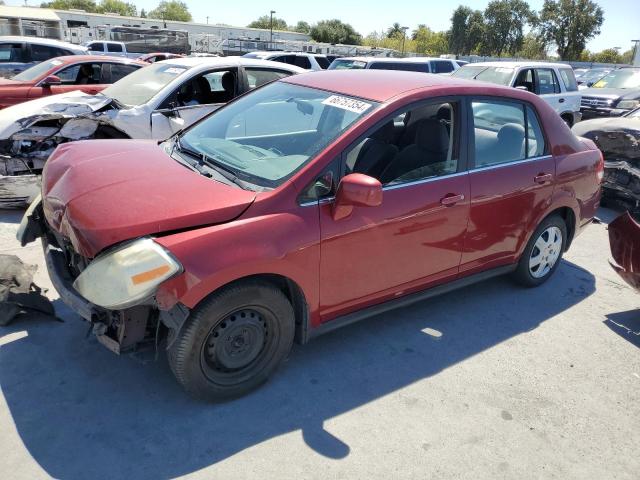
308, 61
412, 64
554, 82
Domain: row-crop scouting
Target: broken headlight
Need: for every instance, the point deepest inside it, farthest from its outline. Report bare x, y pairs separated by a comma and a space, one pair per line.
125, 276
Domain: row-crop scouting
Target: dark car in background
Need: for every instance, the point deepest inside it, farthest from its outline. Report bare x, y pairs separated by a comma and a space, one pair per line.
19, 53
613, 95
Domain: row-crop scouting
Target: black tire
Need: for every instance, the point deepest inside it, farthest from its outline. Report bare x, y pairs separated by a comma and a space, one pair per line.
524, 275
233, 341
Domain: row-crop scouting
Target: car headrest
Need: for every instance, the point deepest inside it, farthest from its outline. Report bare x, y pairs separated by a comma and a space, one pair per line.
385, 133
431, 134
511, 140
444, 112
228, 81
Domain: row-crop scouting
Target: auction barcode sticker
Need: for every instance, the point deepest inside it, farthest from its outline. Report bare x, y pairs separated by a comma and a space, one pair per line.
346, 103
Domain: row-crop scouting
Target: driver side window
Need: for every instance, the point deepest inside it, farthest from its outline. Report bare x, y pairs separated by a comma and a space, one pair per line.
421, 143
82, 74
207, 88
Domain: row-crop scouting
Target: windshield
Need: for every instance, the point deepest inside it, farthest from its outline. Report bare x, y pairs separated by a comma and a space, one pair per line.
266, 136
142, 85
339, 64
623, 78
499, 75
35, 72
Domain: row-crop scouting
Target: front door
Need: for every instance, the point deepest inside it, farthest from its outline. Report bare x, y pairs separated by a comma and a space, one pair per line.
511, 181
415, 237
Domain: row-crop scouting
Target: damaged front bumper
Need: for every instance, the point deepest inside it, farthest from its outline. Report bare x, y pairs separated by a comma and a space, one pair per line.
118, 330
624, 240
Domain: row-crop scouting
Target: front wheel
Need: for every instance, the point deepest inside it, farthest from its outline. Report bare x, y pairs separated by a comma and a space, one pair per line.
233, 341
543, 253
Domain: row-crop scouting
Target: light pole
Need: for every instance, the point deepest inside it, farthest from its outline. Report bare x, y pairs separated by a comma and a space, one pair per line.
271, 29
207, 20
404, 36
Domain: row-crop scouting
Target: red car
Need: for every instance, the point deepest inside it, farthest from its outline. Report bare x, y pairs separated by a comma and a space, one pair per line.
88, 73
158, 57
310, 203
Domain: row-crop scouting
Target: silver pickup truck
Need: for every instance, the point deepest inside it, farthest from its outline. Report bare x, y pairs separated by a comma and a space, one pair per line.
554, 82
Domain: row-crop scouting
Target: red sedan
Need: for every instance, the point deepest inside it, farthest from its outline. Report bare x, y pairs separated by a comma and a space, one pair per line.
88, 73
310, 203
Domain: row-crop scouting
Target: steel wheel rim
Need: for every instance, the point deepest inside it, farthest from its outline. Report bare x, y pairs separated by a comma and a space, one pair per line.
546, 252
237, 347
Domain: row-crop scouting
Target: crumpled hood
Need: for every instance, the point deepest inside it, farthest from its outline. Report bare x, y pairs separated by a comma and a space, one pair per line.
607, 124
100, 192
64, 105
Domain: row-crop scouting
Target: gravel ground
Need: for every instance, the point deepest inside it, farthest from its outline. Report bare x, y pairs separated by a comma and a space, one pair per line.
492, 381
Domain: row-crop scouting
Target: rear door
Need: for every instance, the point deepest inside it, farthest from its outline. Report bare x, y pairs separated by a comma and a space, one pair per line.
511, 179
13, 58
547, 85
570, 92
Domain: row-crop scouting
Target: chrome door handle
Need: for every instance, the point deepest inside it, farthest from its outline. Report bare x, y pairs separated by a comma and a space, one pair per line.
561, 100
450, 200
542, 178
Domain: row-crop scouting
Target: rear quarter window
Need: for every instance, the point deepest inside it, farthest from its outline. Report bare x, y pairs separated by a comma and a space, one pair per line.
569, 79
403, 66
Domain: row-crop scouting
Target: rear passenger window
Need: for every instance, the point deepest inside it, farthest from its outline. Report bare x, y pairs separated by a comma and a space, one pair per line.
95, 47
403, 66
547, 82
441, 66
114, 47
302, 62
40, 53
504, 134
569, 79
11, 52
418, 144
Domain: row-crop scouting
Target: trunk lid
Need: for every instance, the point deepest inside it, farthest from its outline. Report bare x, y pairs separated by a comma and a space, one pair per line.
100, 192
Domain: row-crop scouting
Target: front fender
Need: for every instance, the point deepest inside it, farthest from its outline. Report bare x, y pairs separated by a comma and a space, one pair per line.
285, 244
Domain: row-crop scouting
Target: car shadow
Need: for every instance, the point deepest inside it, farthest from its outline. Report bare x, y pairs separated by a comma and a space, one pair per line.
626, 324
83, 412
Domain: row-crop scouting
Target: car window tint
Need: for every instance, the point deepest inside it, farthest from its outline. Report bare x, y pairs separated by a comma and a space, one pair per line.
259, 76
569, 79
441, 66
95, 47
68, 75
10, 52
547, 82
302, 62
499, 131
114, 47
403, 66
525, 80
535, 139
40, 53
425, 147
323, 62
120, 71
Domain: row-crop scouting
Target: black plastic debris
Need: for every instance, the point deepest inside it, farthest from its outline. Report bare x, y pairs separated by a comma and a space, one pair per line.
18, 294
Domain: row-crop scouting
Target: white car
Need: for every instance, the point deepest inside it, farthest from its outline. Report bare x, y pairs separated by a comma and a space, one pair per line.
308, 61
19, 53
554, 82
412, 64
153, 103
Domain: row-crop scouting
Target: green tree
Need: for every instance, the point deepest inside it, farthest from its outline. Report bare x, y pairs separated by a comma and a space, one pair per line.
117, 6
476, 30
627, 57
505, 21
143, 13
569, 24
302, 27
171, 10
86, 5
533, 48
609, 55
265, 22
428, 42
467, 31
334, 31
395, 31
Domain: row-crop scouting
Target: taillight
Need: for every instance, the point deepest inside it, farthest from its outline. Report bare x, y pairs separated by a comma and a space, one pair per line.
600, 167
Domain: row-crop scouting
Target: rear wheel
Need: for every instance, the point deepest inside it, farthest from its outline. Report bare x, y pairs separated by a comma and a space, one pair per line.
233, 341
543, 253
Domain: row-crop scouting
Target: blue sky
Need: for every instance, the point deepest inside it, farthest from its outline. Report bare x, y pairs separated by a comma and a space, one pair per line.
621, 24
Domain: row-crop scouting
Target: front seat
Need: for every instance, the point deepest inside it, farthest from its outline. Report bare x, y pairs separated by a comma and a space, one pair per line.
228, 82
376, 152
431, 146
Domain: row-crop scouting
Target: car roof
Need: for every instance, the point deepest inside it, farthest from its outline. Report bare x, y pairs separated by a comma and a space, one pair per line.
42, 41
382, 85
68, 59
205, 62
395, 60
270, 53
519, 64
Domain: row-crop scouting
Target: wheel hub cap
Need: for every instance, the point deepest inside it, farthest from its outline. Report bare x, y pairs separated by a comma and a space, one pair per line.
545, 252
